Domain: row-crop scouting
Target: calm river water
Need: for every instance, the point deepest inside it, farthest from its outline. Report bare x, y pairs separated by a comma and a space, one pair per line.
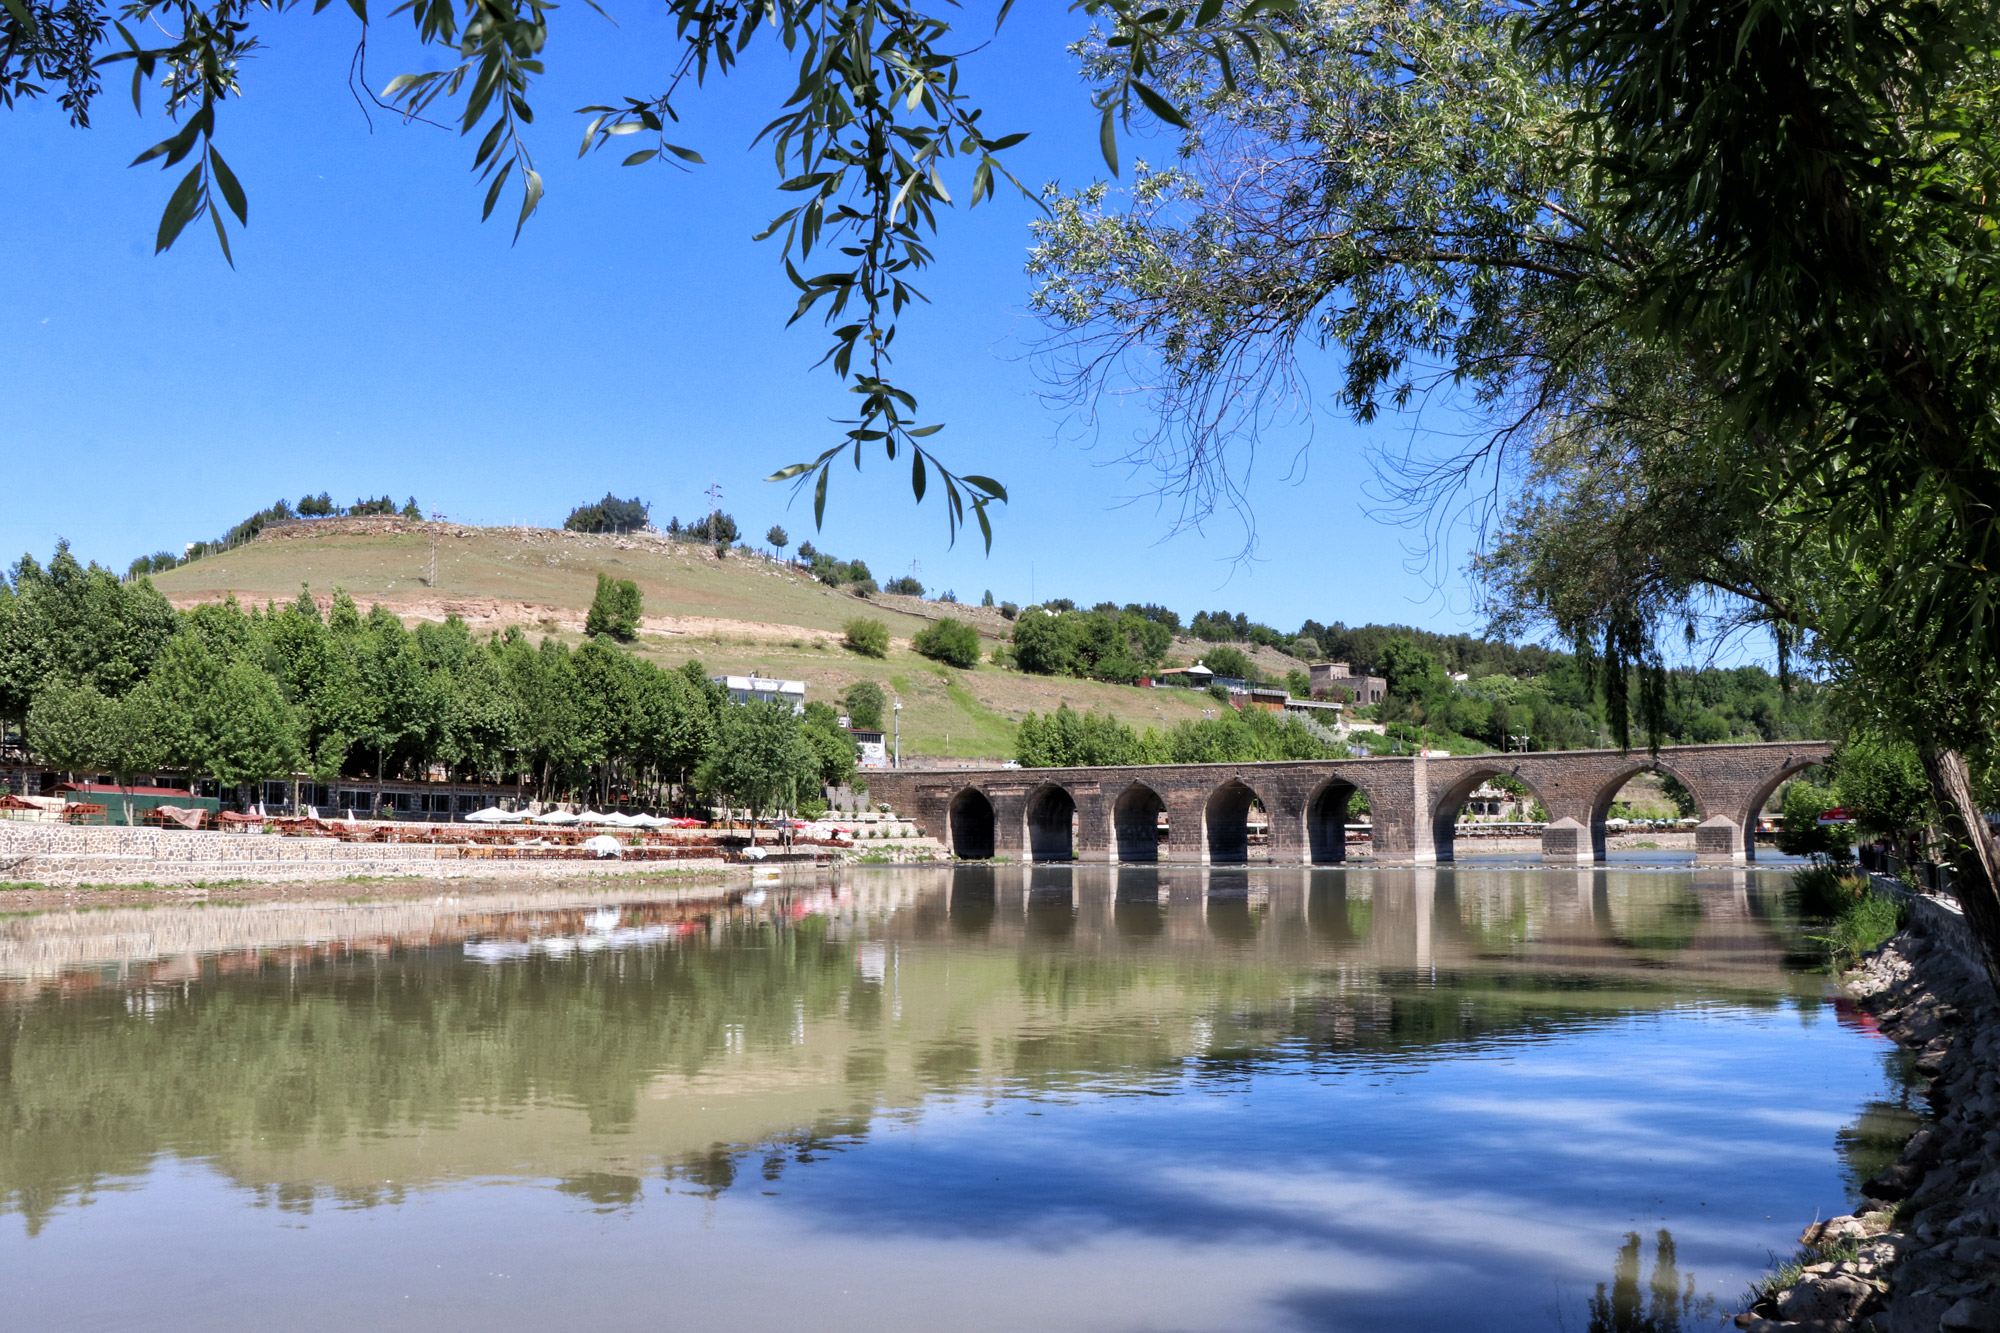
1487, 1097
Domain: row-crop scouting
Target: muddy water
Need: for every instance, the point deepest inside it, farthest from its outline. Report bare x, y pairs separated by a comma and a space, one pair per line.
984, 1098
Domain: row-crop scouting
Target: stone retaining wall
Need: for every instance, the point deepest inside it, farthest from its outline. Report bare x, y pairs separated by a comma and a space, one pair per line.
65, 854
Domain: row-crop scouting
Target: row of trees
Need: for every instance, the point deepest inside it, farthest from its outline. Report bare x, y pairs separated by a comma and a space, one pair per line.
1068, 739
106, 677
310, 506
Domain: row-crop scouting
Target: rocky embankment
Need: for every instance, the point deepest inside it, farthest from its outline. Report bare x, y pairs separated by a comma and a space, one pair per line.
1923, 1255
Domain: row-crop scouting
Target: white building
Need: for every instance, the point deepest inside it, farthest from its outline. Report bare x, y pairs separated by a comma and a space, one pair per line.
745, 688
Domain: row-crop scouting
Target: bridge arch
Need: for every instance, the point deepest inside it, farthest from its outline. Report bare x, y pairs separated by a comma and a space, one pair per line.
1050, 815
1746, 818
1327, 812
1135, 823
1452, 799
1226, 821
1607, 796
972, 825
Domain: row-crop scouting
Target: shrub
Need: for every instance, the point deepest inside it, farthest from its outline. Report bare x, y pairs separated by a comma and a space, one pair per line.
868, 637
949, 641
905, 586
863, 588
1009, 610
1862, 928
1826, 890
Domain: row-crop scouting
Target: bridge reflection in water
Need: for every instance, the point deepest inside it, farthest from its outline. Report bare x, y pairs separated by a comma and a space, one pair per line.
1005, 1071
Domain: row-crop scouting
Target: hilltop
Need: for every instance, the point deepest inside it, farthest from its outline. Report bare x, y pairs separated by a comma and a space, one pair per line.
746, 612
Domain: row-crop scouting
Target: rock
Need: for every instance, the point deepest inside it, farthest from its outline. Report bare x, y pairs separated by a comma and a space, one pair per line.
1832, 1231
1978, 1252
1825, 1299
1971, 1316
1893, 1182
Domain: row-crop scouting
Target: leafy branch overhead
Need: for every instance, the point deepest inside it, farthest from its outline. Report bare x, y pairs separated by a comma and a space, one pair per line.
879, 109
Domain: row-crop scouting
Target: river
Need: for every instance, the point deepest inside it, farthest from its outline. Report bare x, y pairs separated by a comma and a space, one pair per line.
1490, 1096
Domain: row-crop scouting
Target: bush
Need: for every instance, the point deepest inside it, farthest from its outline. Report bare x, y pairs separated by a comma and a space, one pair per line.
863, 588
905, 586
950, 641
870, 638
1865, 925
1826, 890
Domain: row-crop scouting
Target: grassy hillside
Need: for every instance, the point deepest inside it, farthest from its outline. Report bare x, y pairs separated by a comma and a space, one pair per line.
739, 614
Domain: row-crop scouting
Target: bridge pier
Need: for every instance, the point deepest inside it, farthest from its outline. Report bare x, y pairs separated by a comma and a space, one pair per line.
1413, 802
1719, 839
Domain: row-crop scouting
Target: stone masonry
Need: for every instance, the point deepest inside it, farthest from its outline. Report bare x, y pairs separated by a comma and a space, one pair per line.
1110, 814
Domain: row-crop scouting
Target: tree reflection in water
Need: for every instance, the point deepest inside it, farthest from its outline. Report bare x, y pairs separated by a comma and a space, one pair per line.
1669, 1300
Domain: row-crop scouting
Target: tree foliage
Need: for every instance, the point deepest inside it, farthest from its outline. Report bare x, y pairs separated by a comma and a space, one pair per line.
617, 609
949, 641
610, 514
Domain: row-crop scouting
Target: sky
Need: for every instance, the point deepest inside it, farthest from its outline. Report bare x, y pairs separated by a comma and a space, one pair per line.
375, 337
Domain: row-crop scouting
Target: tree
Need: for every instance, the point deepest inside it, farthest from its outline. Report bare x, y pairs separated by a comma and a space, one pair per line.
1231, 662
761, 759
865, 701
906, 586
316, 506
252, 733
778, 538
76, 624
950, 641
834, 751
1799, 831
868, 637
616, 610
67, 726
610, 514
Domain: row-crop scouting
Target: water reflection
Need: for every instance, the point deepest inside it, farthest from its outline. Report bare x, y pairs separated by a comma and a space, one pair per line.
1418, 1072
1668, 1305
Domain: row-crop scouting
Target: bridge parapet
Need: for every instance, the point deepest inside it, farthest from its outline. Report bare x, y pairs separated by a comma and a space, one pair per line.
1111, 814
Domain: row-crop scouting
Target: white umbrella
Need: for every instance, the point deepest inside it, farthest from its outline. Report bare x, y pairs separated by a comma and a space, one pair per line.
493, 814
589, 816
649, 821
555, 817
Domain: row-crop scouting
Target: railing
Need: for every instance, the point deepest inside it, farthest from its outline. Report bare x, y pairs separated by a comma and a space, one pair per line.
1928, 875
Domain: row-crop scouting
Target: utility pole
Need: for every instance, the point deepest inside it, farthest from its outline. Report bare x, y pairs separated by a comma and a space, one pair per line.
897, 714
431, 570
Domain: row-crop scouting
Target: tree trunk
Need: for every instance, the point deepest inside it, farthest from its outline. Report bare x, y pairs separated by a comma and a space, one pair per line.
1975, 859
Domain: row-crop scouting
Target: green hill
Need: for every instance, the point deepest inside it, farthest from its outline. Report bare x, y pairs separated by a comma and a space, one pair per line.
740, 614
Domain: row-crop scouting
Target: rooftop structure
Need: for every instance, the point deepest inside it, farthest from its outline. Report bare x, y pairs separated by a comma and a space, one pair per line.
745, 688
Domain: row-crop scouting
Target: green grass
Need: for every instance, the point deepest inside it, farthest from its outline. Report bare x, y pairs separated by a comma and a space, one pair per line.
1863, 928
1788, 1273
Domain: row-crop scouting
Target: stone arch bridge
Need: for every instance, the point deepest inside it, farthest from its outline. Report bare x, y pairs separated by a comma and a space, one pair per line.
1112, 814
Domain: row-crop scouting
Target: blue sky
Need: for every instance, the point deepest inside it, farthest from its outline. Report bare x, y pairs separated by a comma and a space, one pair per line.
375, 336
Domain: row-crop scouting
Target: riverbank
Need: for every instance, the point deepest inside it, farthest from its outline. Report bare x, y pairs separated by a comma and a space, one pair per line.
1923, 1253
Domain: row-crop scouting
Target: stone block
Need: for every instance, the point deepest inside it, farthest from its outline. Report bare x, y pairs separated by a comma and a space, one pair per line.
1567, 842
